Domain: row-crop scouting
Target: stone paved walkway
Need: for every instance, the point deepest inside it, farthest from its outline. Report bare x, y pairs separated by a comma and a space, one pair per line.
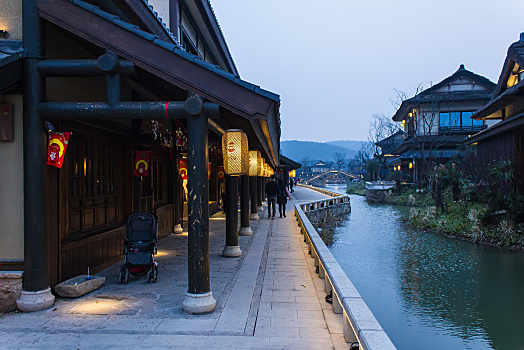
269, 298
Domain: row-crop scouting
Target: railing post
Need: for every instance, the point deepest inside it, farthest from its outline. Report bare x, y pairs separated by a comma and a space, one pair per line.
337, 305
327, 285
349, 334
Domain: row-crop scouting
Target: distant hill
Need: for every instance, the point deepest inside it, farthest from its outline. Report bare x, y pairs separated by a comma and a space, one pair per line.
299, 150
354, 145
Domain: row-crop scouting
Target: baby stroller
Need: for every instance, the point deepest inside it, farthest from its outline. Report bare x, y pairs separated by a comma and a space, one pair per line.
140, 247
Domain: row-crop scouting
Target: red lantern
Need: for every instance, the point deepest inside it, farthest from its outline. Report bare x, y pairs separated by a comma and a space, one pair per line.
182, 169
142, 159
56, 148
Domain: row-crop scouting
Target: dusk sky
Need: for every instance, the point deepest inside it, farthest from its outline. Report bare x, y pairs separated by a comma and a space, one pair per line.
335, 63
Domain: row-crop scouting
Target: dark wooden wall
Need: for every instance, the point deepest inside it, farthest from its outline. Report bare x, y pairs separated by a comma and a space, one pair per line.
97, 252
165, 220
496, 148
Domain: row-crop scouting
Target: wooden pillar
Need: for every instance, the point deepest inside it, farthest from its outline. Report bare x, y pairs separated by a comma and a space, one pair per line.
199, 298
261, 195
253, 191
232, 248
245, 230
36, 294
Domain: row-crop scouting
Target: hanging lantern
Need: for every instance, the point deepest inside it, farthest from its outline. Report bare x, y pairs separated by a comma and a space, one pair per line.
293, 173
410, 165
261, 167
235, 152
253, 163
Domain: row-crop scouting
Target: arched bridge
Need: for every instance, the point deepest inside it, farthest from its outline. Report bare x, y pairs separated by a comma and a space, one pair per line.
320, 180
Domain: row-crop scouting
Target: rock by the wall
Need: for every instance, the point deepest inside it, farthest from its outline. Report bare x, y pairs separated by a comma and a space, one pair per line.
10, 288
376, 196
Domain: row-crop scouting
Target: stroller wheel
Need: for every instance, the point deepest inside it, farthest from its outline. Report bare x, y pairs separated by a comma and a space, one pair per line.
126, 276
155, 274
149, 276
120, 276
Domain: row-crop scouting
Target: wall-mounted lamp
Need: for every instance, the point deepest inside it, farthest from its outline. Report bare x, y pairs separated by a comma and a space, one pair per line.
4, 34
49, 127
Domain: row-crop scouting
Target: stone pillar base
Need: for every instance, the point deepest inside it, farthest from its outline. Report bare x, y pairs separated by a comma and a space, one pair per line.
260, 208
245, 231
178, 229
254, 216
231, 251
198, 304
35, 301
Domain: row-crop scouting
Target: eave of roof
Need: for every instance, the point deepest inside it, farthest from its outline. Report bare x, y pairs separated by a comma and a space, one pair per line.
11, 53
499, 128
288, 161
169, 62
221, 38
503, 96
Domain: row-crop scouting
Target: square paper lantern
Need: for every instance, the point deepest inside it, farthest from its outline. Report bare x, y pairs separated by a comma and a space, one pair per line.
253, 163
235, 152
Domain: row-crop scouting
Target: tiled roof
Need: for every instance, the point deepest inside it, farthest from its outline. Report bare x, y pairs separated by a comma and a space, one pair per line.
220, 29
175, 48
432, 95
10, 51
504, 96
150, 7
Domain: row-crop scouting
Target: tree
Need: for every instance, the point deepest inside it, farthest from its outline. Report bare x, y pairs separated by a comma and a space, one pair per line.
339, 160
363, 153
380, 128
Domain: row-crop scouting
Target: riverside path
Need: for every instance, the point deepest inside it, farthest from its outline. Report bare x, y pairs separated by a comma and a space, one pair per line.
269, 298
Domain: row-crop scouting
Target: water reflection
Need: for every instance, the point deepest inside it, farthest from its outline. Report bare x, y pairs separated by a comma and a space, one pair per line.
429, 291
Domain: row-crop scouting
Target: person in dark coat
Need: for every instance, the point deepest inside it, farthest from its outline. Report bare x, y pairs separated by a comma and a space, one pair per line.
282, 198
272, 191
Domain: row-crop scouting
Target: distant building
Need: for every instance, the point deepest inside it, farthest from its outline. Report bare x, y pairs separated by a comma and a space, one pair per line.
437, 120
309, 171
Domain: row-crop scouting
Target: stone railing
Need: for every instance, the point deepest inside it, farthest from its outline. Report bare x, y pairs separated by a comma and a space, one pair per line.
360, 325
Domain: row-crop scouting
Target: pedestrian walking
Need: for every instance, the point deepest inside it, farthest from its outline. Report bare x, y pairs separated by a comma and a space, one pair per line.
272, 190
282, 198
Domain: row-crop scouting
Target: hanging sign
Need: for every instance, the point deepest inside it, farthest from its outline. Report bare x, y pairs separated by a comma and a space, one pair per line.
182, 169
221, 173
56, 148
142, 163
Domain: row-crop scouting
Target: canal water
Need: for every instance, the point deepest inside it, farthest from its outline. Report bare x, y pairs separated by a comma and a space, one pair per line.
429, 291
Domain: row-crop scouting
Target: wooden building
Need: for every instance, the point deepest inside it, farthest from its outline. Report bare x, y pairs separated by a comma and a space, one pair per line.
505, 139
437, 120
122, 81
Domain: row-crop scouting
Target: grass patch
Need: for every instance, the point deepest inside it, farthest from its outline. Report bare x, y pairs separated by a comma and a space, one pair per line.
470, 222
356, 188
